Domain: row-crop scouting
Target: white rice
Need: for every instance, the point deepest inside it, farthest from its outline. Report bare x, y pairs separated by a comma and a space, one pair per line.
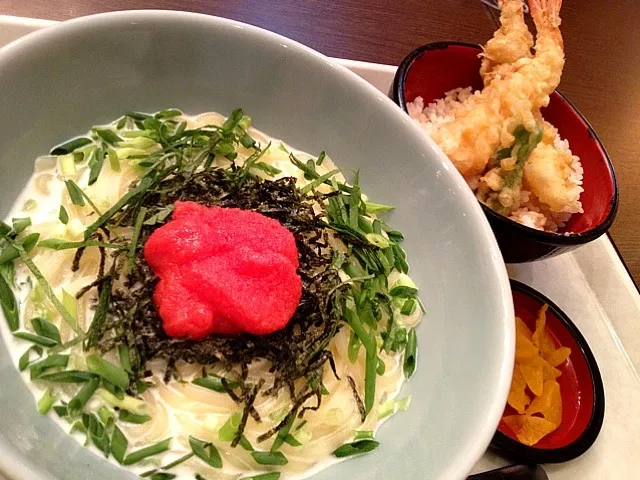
532, 212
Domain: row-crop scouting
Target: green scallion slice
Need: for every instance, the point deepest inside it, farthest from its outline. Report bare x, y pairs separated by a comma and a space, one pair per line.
77, 403
269, 458
127, 416
71, 145
119, 444
206, 452
155, 449
46, 402
356, 448
110, 372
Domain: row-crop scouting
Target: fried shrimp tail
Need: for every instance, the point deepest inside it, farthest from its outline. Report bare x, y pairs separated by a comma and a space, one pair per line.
511, 42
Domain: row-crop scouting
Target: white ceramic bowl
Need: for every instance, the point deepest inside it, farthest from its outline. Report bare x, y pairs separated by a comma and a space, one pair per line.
57, 82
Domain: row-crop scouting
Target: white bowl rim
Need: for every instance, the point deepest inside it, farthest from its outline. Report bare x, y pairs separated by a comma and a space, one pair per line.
476, 447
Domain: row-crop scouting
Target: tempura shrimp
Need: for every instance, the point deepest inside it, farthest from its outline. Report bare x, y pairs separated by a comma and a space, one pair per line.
487, 119
548, 174
511, 42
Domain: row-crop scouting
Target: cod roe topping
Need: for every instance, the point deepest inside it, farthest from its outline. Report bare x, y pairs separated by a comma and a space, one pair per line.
224, 271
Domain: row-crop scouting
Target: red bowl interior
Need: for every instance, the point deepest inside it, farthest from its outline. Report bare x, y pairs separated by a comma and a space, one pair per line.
576, 385
436, 71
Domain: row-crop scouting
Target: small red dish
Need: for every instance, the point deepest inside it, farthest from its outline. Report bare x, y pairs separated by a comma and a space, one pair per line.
580, 386
436, 68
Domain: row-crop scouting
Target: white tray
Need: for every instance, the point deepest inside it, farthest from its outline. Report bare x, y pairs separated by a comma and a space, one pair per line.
590, 284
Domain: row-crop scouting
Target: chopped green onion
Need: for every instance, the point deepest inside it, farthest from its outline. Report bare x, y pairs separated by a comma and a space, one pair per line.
136, 235
10, 253
318, 181
77, 403
206, 452
410, 353
96, 166
113, 390
68, 164
125, 357
392, 406
71, 145
168, 113
70, 303
214, 383
61, 244
127, 416
364, 435
269, 458
403, 291
155, 449
52, 361
114, 161
37, 339
321, 158
106, 416
25, 359
107, 135
75, 194
119, 444
63, 216
67, 376
99, 434
354, 347
110, 372
9, 305
21, 224
282, 434
132, 404
377, 208
61, 410
409, 306
228, 431
46, 402
378, 240
151, 473
356, 448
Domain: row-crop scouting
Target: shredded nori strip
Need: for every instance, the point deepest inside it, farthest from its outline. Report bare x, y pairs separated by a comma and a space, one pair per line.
295, 352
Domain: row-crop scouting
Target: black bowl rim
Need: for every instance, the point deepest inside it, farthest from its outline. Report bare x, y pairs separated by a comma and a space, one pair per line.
549, 238
521, 452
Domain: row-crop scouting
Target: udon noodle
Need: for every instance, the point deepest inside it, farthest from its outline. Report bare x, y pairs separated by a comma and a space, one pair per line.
179, 409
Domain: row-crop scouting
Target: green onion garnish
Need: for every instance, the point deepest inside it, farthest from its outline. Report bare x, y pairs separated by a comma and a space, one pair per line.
119, 444
21, 224
45, 328
75, 194
206, 452
25, 359
269, 458
107, 135
110, 372
38, 368
127, 416
63, 216
410, 354
37, 339
71, 145
356, 448
213, 382
67, 376
9, 305
46, 402
77, 403
155, 449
